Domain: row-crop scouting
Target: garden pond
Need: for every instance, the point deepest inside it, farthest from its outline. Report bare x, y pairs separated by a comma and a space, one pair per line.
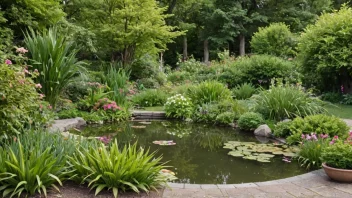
198, 155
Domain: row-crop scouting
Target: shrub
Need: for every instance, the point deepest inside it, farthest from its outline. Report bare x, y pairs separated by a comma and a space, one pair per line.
117, 169
34, 162
333, 97
286, 101
339, 154
276, 39
282, 129
260, 69
150, 98
55, 58
20, 104
148, 83
209, 91
226, 118
324, 50
207, 113
244, 91
311, 150
178, 106
76, 91
178, 77
191, 65
319, 124
347, 99
250, 120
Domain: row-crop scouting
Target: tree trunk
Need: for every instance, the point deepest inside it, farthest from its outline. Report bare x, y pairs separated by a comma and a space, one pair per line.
206, 51
161, 62
185, 49
242, 45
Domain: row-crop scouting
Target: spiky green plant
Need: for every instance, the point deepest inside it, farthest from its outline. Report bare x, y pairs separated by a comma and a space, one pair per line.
55, 58
117, 81
33, 163
209, 91
244, 91
117, 169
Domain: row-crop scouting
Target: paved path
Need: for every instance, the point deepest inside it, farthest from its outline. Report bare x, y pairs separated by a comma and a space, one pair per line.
313, 184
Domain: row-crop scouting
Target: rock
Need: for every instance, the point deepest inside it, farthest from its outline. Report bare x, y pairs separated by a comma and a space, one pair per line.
263, 130
66, 124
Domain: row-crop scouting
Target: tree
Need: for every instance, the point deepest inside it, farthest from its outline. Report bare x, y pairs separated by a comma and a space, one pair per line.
125, 29
324, 51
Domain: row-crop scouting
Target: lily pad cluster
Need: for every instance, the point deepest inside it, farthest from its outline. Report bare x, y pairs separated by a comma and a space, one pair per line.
259, 152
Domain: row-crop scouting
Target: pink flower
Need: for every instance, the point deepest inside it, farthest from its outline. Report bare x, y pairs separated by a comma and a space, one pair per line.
303, 136
21, 50
26, 71
50, 107
41, 96
36, 71
350, 133
308, 137
332, 142
8, 62
342, 89
39, 86
336, 137
21, 81
40, 106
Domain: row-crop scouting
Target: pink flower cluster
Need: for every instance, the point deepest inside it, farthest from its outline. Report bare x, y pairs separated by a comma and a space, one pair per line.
21, 50
286, 159
8, 62
314, 137
106, 104
105, 139
95, 84
334, 139
111, 106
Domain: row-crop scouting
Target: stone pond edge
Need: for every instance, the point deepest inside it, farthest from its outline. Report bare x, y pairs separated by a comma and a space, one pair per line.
312, 174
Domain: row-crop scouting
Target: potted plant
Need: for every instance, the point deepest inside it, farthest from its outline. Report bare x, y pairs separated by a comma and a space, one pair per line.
337, 159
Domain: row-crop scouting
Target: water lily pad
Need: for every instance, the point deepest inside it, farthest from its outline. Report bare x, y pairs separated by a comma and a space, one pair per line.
228, 147
246, 153
250, 157
278, 152
266, 155
263, 160
146, 123
289, 154
235, 154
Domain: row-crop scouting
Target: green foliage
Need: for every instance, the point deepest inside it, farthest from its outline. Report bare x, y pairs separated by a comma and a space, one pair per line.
333, 97
179, 106
338, 155
311, 151
286, 101
150, 98
250, 121
244, 91
319, 124
34, 162
6, 35
120, 170
206, 112
324, 50
276, 39
55, 59
209, 91
117, 81
347, 99
282, 129
191, 65
261, 69
226, 118
20, 105
148, 83
178, 77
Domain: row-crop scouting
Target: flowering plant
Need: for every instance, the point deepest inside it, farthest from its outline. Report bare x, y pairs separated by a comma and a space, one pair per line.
339, 153
311, 149
179, 106
106, 105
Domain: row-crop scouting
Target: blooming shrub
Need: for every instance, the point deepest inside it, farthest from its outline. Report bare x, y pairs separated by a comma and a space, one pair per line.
178, 106
106, 105
339, 153
20, 104
311, 150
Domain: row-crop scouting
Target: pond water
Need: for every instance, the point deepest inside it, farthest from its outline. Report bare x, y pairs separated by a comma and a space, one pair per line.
198, 156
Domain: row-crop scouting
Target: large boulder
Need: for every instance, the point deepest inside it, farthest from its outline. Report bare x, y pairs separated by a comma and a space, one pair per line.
263, 130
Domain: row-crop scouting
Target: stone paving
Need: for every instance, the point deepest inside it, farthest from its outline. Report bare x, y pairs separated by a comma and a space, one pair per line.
313, 184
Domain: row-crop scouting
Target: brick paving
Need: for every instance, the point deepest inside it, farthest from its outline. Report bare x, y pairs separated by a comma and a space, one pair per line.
313, 184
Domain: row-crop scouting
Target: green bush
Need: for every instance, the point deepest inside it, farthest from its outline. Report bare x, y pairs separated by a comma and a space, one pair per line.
333, 97
244, 91
117, 81
260, 69
148, 83
206, 113
120, 170
178, 77
338, 155
324, 50
20, 104
209, 91
178, 106
226, 118
319, 124
276, 39
191, 65
282, 129
34, 162
150, 98
76, 91
311, 149
347, 99
286, 101
250, 121
55, 58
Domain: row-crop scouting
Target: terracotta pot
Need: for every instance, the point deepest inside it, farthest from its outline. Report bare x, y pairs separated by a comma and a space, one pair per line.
341, 175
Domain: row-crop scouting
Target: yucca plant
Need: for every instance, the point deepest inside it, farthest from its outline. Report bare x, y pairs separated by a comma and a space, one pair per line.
286, 101
117, 170
209, 91
29, 166
55, 59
